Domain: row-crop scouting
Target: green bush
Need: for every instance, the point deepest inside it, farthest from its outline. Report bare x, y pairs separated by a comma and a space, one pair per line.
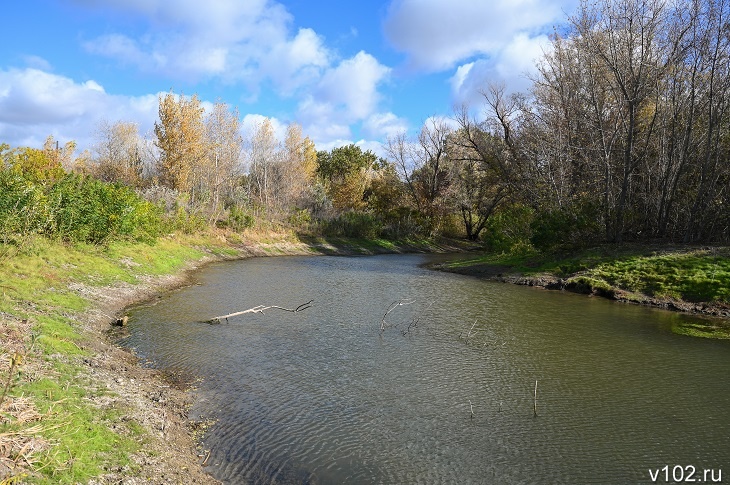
353, 224
508, 230
23, 206
300, 218
239, 219
84, 209
570, 226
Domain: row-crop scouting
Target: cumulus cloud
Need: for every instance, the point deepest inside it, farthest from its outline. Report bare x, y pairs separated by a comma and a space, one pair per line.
346, 93
384, 125
436, 35
249, 42
251, 123
35, 104
512, 65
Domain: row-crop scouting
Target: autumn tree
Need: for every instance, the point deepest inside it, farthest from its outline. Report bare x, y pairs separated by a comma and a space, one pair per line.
117, 153
346, 173
263, 164
224, 144
180, 134
298, 165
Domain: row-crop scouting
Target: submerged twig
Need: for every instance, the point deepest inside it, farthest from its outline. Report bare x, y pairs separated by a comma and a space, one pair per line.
392, 307
469, 335
261, 309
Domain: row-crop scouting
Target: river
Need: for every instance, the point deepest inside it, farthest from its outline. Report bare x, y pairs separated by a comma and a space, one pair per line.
446, 392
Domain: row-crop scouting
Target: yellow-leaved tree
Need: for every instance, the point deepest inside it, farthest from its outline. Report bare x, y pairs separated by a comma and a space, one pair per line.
183, 163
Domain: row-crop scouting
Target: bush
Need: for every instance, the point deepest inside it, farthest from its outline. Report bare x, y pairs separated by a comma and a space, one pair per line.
509, 231
23, 207
84, 209
239, 219
571, 226
353, 224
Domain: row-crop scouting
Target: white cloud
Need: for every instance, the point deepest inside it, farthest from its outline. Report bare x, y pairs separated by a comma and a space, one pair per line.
251, 122
345, 94
511, 65
35, 104
37, 62
435, 35
353, 85
385, 125
237, 41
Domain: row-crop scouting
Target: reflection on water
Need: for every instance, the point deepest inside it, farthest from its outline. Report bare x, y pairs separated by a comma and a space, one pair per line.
322, 396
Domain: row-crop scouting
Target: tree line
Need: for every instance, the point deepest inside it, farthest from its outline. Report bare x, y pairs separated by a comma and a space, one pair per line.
624, 135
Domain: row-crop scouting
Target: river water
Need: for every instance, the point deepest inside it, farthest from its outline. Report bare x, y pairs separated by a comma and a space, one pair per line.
325, 396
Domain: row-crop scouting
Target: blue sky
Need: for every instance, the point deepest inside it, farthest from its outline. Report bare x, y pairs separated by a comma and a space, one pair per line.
348, 72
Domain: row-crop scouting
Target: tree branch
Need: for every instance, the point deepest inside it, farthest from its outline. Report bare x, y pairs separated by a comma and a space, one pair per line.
261, 309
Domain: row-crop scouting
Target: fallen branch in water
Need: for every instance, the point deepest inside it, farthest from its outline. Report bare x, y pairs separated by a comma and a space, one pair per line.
392, 307
261, 309
468, 335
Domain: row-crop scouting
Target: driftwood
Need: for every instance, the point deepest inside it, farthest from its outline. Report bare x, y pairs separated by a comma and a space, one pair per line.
261, 309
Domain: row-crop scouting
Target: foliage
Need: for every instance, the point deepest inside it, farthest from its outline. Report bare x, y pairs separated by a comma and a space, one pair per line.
72, 207
345, 172
180, 136
84, 209
31, 164
239, 219
509, 229
353, 224
570, 226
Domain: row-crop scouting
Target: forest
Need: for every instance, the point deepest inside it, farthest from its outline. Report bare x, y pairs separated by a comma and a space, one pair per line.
623, 136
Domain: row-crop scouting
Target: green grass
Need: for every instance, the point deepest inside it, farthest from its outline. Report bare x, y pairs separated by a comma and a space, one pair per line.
639, 274
694, 275
84, 439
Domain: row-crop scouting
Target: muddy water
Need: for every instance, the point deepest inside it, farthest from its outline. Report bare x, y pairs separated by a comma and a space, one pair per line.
323, 396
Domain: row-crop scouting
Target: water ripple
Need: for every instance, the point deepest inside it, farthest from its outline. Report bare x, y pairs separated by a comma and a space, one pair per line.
324, 397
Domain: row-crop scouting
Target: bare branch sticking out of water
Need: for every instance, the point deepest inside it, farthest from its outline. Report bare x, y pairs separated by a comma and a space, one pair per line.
261, 309
469, 334
392, 307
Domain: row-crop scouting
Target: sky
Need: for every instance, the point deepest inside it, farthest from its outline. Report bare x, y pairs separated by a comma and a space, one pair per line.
346, 71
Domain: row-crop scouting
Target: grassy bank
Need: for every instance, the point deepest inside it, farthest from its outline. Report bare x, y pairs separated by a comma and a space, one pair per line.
687, 279
76, 409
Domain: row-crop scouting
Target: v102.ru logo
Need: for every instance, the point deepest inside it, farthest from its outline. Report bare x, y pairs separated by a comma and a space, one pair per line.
685, 474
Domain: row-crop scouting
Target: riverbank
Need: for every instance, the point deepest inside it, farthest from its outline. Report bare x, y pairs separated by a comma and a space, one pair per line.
685, 279
75, 407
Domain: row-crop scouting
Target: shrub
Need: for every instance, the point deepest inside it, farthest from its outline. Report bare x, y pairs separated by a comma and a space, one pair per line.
83, 209
508, 230
353, 224
574, 225
239, 219
23, 207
